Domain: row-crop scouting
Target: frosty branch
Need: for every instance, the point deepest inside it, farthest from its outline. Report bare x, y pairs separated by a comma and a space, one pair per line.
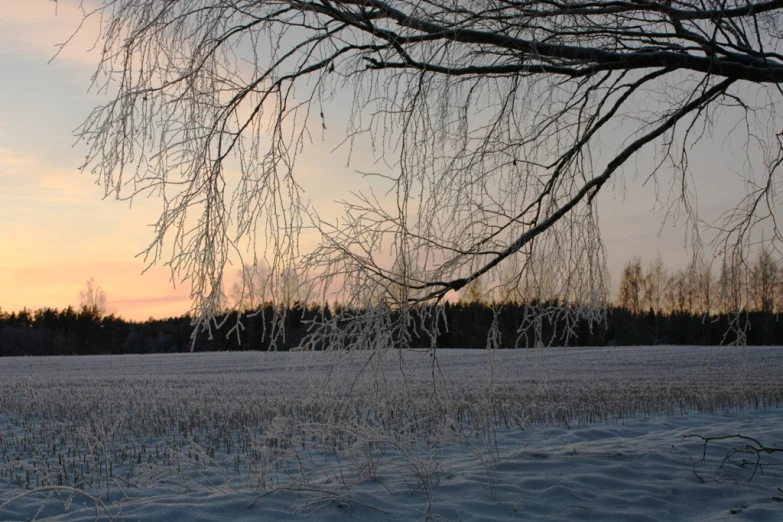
491, 127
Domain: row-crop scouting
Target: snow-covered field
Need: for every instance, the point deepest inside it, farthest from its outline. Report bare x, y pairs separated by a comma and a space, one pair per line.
560, 434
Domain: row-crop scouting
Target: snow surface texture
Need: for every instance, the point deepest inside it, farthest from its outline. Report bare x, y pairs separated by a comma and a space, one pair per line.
561, 434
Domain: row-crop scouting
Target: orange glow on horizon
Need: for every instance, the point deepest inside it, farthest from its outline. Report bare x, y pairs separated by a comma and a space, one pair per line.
129, 294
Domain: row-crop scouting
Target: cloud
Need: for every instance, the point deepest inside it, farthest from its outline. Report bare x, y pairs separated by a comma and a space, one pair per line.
30, 183
165, 299
13, 160
41, 27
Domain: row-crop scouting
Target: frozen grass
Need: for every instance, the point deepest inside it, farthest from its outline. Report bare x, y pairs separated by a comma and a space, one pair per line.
566, 434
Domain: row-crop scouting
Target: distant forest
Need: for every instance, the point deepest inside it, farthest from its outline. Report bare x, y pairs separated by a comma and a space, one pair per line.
652, 306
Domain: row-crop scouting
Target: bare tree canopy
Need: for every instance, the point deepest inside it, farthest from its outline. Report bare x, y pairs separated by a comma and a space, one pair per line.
93, 299
487, 121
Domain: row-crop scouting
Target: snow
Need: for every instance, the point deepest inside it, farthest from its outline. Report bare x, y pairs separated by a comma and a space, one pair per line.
560, 434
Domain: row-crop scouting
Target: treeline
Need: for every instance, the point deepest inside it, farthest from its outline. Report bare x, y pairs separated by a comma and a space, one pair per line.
740, 303
86, 331
703, 289
49, 331
460, 325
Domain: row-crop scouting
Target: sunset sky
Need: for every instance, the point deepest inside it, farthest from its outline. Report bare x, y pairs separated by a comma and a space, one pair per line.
56, 231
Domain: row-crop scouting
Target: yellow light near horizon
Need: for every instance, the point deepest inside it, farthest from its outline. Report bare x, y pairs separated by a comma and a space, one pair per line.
130, 294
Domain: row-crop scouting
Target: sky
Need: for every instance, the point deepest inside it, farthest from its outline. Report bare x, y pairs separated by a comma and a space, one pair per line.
56, 230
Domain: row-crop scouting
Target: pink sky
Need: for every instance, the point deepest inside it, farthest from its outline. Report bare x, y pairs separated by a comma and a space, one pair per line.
55, 230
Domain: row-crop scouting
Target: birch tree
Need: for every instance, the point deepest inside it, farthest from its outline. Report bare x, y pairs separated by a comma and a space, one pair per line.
93, 299
655, 282
631, 295
763, 282
485, 120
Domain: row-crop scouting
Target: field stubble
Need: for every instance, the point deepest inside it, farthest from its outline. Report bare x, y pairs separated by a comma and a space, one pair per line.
99, 430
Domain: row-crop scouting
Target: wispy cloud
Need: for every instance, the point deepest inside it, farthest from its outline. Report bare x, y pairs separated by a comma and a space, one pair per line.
29, 180
42, 27
150, 300
14, 160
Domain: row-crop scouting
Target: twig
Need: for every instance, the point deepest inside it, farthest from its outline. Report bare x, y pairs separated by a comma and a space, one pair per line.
751, 447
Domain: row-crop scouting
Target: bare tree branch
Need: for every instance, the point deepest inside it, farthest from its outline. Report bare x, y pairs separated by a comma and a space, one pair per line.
485, 122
